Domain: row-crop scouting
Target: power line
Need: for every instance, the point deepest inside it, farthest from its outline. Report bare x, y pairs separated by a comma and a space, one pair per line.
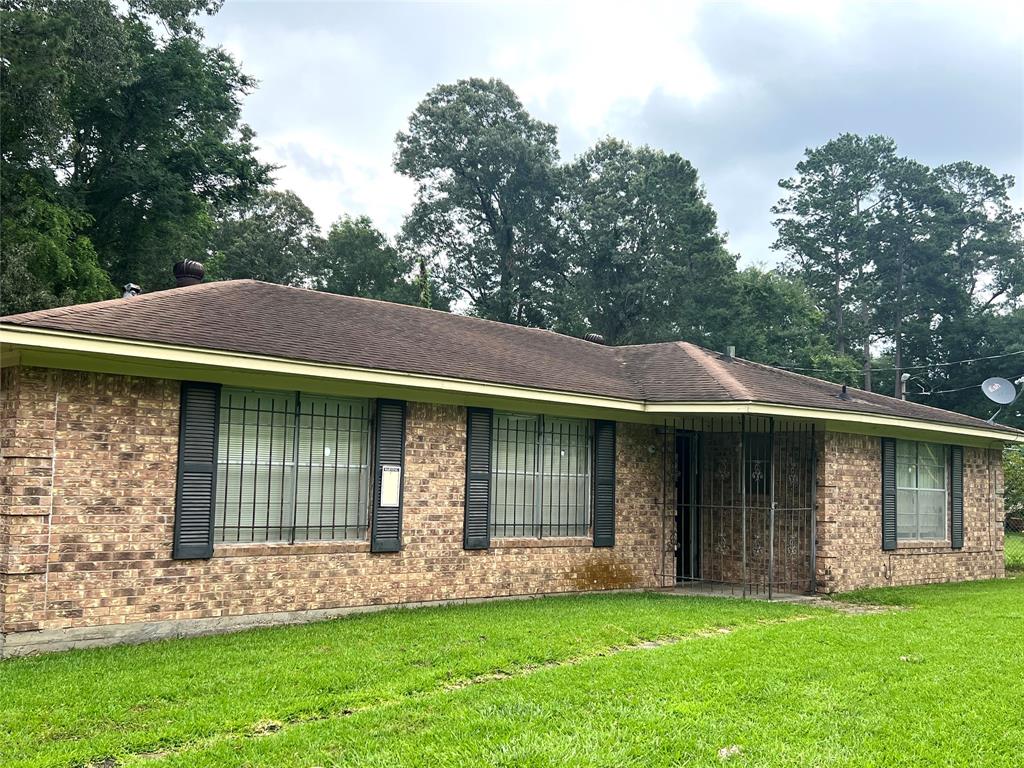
960, 389
910, 367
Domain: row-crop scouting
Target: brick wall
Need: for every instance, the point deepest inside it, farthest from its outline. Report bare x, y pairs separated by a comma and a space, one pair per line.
849, 520
89, 463
87, 509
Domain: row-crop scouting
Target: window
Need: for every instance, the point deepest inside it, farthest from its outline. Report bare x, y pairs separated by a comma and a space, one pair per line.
540, 476
291, 467
920, 491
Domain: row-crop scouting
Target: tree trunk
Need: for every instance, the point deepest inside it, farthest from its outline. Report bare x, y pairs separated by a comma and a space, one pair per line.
867, 345
898, 327
840, 334
867, 364
506, 299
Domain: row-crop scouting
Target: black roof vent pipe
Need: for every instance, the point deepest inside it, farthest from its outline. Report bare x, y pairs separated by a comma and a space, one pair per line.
188, 272
595, 338
843, 394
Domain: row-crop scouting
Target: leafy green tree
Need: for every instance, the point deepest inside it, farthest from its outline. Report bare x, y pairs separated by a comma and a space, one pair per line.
273, 238
957, 387
774, 320
823, 225
1013, 472
162, 155
950, 262
637, 234
45, 262
486, 175
358, 260
985, 235
120, 116
928, 263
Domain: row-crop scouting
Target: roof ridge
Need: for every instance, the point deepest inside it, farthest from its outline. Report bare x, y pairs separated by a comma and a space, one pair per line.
414, 307
73, 309
716, 370
626, 367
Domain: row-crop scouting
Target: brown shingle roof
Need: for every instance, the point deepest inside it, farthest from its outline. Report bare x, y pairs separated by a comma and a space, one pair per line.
264, 319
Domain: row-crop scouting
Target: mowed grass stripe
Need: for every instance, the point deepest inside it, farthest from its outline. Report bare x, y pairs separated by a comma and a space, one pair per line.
85, 706
935, 685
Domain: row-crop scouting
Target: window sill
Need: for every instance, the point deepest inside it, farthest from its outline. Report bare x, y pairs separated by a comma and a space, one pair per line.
282, 548
553, 542
939, 546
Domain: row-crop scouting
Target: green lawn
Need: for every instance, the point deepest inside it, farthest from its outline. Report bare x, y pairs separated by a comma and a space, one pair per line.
552, 682
1014, 550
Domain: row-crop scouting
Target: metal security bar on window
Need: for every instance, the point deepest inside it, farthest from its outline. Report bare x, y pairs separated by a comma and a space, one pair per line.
920, 491
291, 467
540, 473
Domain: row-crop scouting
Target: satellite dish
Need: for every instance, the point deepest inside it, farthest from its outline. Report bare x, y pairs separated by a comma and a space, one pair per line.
999, 390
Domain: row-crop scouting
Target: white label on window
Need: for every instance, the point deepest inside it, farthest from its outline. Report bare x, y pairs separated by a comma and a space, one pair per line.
390, 485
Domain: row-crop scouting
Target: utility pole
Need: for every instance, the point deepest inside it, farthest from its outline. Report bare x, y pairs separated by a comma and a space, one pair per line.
901, 385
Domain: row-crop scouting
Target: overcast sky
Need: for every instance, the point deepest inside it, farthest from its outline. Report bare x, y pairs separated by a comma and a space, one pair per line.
739, 89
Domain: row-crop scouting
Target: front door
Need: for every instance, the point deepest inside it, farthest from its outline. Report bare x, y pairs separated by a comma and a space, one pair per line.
687, 517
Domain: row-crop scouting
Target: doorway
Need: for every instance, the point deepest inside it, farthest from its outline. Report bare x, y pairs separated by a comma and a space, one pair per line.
743, 517
687, 517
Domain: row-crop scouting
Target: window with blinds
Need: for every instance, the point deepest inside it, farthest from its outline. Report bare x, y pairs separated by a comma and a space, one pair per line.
291, 467
540, 476
921, 511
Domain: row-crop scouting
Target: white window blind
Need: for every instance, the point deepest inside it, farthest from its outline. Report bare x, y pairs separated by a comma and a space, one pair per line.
921, 510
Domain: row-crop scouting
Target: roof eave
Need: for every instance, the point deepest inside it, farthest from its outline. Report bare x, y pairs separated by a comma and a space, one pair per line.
63, 349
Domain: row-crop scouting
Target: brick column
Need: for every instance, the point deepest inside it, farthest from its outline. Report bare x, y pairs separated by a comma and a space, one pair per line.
28, 398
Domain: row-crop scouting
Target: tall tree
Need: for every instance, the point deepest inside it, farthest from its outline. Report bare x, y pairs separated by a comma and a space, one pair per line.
638, 234
938, 272
485, 170
358, 260
273, 238
906, 248
823, 224
949, 258
121, 117
985, 234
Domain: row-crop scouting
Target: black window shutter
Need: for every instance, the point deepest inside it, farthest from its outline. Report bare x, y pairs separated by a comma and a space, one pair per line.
386, 524
604, 483
197, 471
956, 493
476, 531
888, 493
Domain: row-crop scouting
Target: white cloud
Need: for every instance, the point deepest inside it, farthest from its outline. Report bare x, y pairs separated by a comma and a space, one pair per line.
738, 88
594, 58
334, 179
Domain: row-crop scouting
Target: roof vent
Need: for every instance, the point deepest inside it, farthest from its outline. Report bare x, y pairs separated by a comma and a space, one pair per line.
596, 338
188, 272
730, 352
130, 289
843, 394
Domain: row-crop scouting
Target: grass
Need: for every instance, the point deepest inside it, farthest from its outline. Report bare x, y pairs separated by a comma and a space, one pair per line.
1014, 550
935, 681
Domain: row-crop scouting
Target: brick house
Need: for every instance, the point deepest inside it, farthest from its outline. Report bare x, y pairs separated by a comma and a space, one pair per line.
229, 454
